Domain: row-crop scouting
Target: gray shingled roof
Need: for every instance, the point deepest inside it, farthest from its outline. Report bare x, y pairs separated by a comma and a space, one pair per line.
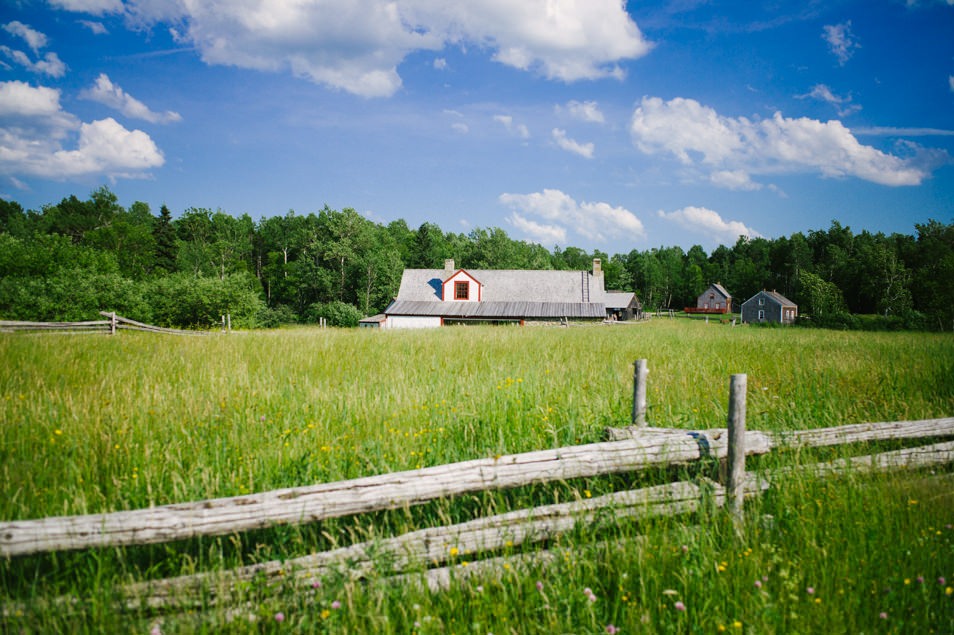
718, 287
774, 295
506, 285
618, 300
489, 310
505, 293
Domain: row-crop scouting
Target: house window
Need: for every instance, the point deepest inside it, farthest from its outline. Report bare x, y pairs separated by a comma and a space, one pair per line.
761, 301
461, 290
761, 315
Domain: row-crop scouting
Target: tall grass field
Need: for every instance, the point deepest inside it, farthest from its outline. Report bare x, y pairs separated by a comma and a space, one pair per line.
92, 424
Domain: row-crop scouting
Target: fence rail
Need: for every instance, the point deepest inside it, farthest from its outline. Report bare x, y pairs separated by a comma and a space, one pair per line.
97, 326
432, 546
631, 449
649, 447
106, 327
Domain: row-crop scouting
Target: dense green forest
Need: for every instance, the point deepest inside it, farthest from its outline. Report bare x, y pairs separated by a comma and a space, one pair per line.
70, 260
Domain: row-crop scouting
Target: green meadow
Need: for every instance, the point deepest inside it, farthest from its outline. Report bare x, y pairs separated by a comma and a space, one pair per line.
95, 424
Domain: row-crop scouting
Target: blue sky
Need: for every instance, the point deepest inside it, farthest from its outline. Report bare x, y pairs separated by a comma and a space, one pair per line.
596, 124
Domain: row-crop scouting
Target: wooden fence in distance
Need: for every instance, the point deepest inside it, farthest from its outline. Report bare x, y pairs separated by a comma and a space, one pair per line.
109, 326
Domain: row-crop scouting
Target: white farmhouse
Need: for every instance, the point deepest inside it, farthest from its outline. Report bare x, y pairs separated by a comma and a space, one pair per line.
436, 297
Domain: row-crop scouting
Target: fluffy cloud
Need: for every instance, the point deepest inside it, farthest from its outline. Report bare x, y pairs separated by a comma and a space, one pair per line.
840, 41
706, 221
596, 221
582, 149
519, 130
733, 180
543, 234
741, 146
50, 64
19, 99
96, 27
35, 129
105, 92
357, 45
588, 111
34, 39
95, 7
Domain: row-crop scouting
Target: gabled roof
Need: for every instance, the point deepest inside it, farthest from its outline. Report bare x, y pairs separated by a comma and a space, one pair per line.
773, 295
504, 293
489, 310
718, 287
508, 285
620, 299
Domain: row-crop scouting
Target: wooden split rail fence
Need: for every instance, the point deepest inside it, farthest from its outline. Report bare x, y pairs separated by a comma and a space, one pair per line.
630, 449
109, 326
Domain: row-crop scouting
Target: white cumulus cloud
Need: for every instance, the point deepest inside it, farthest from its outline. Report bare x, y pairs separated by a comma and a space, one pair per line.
50, 64
109, 94
840, 40
34, 39
734, 180
706, 221
96, 27
38, 138
596, 221
544, 234
95, 7
357, 45
582, 149
694, 134
588, 111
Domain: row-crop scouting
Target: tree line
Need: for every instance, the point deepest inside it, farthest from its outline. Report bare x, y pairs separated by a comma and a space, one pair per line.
69, 260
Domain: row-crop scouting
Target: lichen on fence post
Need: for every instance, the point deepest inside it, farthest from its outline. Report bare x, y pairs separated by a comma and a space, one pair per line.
735, 483
639, 393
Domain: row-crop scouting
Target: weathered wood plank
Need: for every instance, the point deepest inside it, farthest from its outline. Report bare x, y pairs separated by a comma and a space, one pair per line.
908, 458
432, 545
157, 329
865, 432
122, 321
343, 498
820, 437
40, 325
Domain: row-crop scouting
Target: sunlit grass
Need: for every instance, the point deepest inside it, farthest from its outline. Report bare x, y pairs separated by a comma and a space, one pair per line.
92, 424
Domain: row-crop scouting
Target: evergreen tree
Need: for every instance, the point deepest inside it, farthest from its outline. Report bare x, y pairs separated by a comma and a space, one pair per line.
165, 235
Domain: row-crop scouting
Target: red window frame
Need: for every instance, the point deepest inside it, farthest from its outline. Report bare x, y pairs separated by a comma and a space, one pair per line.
461, 290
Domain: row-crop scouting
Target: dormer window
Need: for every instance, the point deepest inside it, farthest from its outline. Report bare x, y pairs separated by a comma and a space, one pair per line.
461, 290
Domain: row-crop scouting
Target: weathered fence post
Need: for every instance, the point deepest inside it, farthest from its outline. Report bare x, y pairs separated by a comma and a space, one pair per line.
112, 323
223, 323
228, 317
639, 393
735, 483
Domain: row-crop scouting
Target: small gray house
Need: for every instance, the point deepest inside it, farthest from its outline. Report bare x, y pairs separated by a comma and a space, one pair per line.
715, 299
430, 298
622, 306
769, 306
